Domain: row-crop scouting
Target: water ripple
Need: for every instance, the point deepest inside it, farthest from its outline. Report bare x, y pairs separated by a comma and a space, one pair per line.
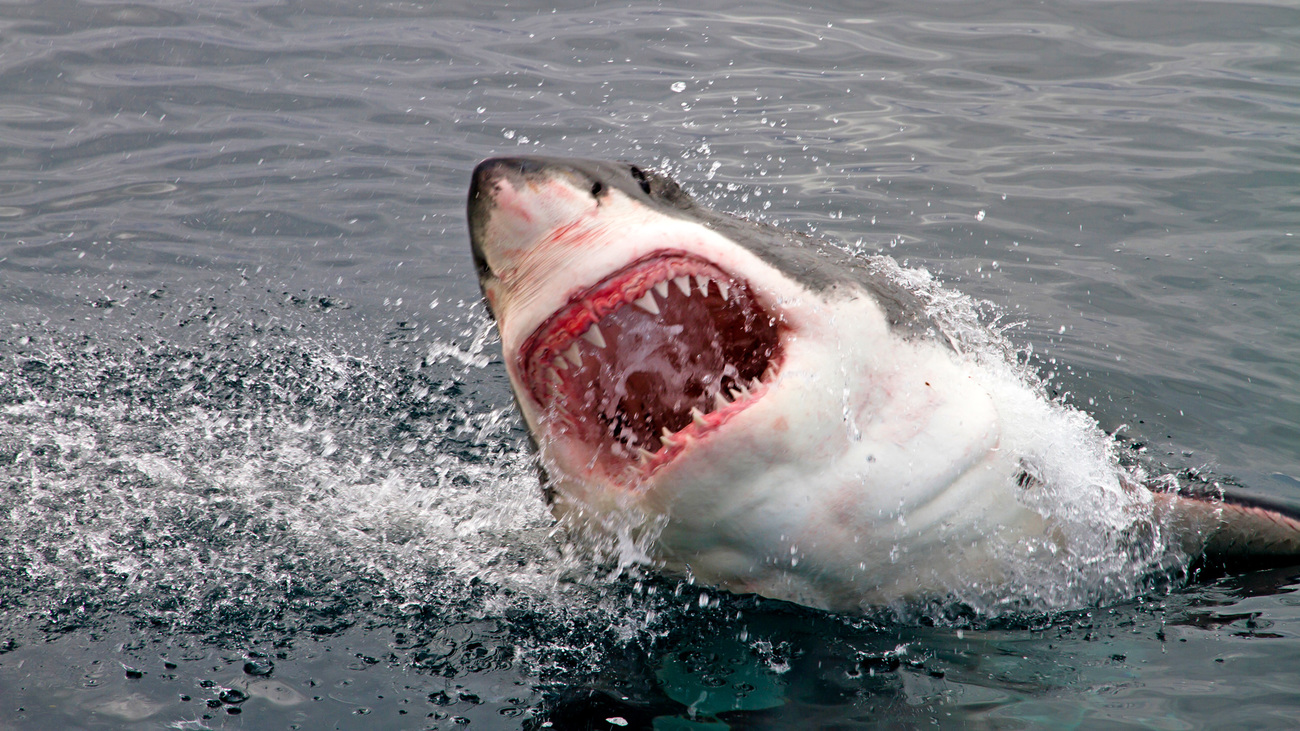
1121, 176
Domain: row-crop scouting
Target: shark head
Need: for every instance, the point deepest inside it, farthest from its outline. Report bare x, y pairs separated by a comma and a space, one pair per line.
633, 334
776, 408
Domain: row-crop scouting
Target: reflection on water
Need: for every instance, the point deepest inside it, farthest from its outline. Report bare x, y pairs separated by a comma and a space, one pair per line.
260, 463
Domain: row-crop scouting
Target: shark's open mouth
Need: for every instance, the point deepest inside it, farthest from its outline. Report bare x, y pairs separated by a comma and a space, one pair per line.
653, 357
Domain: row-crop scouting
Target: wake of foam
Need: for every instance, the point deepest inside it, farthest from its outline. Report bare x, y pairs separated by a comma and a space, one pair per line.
287, 485
1105, 542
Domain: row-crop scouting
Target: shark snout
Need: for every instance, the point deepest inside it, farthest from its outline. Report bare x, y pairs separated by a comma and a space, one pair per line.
517, 204
486, 184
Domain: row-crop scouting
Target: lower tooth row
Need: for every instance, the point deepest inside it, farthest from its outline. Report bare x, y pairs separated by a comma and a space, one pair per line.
669, 439
697, 416
666, 438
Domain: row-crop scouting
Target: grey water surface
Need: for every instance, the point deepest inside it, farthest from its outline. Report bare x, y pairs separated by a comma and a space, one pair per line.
259, 465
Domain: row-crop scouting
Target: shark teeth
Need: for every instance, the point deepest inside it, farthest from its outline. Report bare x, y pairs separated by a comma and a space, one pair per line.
669, 440
738, 393
647, 303
666, 438
578, 382
697, 417
594, 336
687, 284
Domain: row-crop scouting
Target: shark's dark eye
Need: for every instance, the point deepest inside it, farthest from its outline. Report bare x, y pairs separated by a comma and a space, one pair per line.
597, 188
641, 178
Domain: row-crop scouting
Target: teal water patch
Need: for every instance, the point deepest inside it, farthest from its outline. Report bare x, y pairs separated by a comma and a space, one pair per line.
719, 675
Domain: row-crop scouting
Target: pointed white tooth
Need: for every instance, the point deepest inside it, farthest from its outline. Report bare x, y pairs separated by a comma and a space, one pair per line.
735, 395
684, 284
702, 282
755, 383
719, 402
554, 376
561, 363
697, 416
574, 356
661, 288
647, 303
594, 336
743, 389
645, 454
666, 438
724, 288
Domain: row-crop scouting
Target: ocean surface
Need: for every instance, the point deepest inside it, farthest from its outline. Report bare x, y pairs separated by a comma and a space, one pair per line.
259, 463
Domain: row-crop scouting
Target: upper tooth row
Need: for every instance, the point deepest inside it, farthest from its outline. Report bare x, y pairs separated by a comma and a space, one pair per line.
647, 301
594, 336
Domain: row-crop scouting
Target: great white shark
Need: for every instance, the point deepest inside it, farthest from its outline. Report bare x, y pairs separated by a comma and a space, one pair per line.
774, 415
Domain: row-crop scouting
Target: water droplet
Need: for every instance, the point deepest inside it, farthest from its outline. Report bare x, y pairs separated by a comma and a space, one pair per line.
259, 666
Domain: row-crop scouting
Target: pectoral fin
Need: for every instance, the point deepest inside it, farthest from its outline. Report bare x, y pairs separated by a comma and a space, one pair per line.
1234, 529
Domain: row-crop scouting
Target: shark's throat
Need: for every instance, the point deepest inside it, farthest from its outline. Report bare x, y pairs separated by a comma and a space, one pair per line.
652, 357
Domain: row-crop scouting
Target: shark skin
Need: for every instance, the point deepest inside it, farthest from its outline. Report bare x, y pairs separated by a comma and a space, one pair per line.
776, 416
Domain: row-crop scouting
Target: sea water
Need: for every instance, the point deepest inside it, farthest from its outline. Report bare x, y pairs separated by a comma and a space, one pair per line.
259, 463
